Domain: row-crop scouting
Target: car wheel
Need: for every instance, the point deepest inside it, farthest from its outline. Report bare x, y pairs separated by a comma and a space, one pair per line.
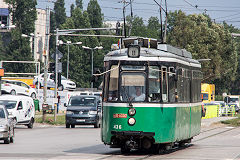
7, 140
72, 125
11, 138
67, 125
33, 95
97, 124
60, 88
30, 125
13, 92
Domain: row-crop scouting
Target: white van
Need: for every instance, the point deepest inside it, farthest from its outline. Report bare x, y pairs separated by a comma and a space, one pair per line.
21, 108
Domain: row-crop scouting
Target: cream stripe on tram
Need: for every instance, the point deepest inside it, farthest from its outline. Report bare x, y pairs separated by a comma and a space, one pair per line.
152, 104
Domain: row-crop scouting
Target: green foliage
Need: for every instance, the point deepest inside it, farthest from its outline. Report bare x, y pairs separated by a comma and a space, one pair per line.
95, 15
205, 40
23, 14
80, 60
60, 12
233, 122
138, 27
153, 28
60, 120
79, 4
18, 50
71, 9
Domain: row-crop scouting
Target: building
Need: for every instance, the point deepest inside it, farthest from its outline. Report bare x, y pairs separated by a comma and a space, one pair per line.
39, 35
5, 18
37, 38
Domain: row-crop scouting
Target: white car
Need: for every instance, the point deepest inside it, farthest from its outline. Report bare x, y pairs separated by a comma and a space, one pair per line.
14, 87
6, 126
20, 108
66, 84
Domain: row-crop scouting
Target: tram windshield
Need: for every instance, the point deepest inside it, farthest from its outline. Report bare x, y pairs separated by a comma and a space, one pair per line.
132, 86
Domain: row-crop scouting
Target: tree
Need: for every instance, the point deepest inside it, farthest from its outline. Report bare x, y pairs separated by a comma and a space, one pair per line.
138, 27
153, 28
60, 13
71, 9
95, 15
79, 4
80, 60
205, 40
23, 14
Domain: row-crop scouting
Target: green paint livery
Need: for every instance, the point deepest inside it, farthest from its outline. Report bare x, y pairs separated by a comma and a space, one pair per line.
170, 124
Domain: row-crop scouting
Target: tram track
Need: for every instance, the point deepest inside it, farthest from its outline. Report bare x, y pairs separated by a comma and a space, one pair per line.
214, 134
136, 155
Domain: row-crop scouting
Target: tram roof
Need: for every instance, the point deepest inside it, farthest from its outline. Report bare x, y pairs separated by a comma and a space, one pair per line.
151, 54
152, 50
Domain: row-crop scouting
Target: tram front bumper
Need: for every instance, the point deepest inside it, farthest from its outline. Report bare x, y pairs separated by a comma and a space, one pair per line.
132, 133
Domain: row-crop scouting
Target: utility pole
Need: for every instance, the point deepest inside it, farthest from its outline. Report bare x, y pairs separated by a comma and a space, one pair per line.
56, 75
165, 32
124, 19
46, 55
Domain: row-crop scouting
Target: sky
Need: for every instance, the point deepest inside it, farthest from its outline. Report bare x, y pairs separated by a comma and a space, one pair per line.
219, 10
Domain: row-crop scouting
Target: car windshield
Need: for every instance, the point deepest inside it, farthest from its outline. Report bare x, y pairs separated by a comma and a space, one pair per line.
233, 99
82, 101
2, 115
205, 96
8, 104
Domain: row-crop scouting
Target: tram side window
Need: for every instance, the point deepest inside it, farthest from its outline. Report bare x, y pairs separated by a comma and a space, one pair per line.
105, 87
172, 84
113, 84
187, 85
180, 89
196, 87
164, 84
154, 84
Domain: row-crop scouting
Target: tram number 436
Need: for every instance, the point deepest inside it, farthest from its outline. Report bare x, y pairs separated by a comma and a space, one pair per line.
117, 126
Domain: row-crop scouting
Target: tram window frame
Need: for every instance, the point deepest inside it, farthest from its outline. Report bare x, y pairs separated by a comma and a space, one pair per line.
164, 75
172, 84
154, 92
112, 95
196, 89
131, 89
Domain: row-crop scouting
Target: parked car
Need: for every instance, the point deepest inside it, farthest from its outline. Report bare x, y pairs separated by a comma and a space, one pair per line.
66, 83
14, 87
6, 126
20, 108
83, 110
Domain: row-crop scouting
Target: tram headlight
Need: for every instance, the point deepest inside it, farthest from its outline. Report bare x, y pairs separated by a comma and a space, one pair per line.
132, 111
131, 121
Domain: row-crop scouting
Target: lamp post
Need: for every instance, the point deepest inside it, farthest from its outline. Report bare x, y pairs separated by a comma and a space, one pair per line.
95, 48
68, 43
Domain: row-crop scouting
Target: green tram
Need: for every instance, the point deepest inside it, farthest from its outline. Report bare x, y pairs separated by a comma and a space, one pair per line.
151, 96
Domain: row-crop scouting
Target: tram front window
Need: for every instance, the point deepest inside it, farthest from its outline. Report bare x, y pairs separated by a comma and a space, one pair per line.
132, 87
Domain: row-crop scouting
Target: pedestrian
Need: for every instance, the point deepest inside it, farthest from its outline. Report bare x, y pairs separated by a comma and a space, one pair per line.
58, 97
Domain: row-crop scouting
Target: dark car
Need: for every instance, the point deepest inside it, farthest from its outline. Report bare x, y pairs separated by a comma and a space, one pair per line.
83, 110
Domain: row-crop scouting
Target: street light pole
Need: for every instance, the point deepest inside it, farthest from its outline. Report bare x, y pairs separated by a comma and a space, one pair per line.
68, 61
60, 42
92, 67
95, 48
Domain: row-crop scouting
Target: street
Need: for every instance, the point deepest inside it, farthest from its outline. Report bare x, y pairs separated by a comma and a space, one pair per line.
84, 142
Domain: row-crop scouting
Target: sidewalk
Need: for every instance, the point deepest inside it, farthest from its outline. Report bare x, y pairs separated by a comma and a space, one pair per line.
213, 121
